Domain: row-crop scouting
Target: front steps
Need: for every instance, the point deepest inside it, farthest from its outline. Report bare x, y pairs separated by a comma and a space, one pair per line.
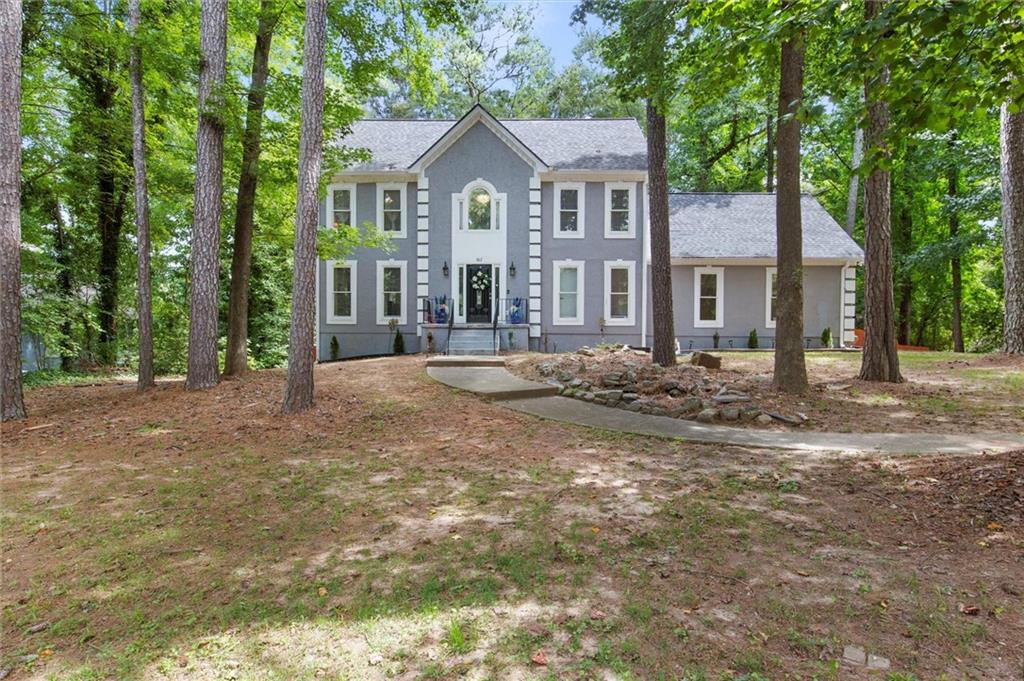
472, 342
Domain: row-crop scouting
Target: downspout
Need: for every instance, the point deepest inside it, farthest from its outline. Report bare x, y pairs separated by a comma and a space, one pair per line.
316, 311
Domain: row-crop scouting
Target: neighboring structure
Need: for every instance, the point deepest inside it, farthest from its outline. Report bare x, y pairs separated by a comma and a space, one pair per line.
540, 228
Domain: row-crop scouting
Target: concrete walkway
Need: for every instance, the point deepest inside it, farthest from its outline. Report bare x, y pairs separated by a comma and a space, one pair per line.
495, 382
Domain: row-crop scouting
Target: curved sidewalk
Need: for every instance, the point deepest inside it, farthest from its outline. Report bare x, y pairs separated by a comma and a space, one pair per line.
495, 382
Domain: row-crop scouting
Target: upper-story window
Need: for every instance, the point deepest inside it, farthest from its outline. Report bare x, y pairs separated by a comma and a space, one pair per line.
341, 205
569, 204
619, 210
391, 209
478, 207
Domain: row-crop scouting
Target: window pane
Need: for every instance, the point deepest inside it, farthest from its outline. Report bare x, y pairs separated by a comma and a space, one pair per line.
620, 199
479, 209
569, 199
393, 304
392, 199
342, 217
567, 278
568, 221
392, 221
775, 295
620, 280
619, 305
708, 309
567, 305
342, 279
343, 304
392, 279
620, 221
708, 285
342, 199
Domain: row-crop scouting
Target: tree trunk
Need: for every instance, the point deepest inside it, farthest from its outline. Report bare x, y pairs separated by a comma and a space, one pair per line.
854, 187
109, 228
63, 257
880, 361
790, 370
145, 310
769, 156
235, 359
664, 351
301, 342
202, 333
1011, 129
952, 182
12, 401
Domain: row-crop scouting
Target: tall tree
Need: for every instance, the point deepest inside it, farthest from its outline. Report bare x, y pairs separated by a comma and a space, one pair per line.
880, 361
790, 369
664, 351
145, 296
205, 261
299, 391
236, 357
12, 401
1011, 134
957, 290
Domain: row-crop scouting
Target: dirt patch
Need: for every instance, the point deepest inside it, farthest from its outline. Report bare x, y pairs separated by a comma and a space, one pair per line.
403, 530
943, 393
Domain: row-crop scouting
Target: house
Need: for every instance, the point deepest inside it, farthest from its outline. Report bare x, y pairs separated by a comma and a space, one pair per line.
538, 229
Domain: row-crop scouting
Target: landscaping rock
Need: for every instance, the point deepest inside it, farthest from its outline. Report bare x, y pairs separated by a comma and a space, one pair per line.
615, 395
611, 380
576, 383
705, 360
634, 406
731, 413
855, 655
630, 396
588, 397
763, 419
585, 351
877, 662
785, 419
731, 397
692, 404
707, 415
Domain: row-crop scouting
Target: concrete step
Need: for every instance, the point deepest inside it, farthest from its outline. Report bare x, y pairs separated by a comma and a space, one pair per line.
465, 361
481, 352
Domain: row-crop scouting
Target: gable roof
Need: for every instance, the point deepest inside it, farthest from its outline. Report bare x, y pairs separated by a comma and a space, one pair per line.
558, 143
736, 226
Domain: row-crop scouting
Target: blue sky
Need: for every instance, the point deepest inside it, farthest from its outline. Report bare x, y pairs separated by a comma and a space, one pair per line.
552, 26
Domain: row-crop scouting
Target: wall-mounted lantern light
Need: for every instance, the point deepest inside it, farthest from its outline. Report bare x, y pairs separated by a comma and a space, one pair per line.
512, 270
444, 268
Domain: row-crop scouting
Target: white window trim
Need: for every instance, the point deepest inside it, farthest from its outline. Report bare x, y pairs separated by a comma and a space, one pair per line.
581, 189
329, 279
499, 208
556, 267
719, 321
608, 233
381, 264
768, 272
630, 319
331, 188
401, 187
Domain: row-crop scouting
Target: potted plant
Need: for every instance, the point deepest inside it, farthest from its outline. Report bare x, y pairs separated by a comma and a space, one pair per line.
715, 339
515, 311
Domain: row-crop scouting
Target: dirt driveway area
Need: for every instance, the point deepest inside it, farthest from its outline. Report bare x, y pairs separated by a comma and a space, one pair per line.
403, 530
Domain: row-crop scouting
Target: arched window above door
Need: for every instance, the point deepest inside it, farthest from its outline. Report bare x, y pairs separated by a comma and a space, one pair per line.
479, 207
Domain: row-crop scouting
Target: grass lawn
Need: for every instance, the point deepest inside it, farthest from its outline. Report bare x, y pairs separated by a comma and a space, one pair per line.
404, 530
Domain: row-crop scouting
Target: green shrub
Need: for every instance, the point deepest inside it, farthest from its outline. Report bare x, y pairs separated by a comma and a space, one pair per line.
715, 339
752, 339
826, 337
335, 349
399, 348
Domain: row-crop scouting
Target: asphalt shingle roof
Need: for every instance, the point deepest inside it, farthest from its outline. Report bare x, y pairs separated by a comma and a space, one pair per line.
743, 226
563, 144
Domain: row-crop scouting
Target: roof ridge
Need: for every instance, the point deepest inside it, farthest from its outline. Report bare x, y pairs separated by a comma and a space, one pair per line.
503, 120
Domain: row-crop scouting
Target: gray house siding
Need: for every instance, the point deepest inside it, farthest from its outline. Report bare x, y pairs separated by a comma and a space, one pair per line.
479, 154
367, 337
593, 249
744, 306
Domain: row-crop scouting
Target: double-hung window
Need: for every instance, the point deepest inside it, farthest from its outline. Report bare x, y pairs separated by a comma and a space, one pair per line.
391, 209
391, 288
708, 297
771, 296
619, 210
568, 292
341, 287
569, 210
619, 295
342, 208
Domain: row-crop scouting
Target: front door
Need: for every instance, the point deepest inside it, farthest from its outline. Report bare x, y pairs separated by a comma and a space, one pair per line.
479, 287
